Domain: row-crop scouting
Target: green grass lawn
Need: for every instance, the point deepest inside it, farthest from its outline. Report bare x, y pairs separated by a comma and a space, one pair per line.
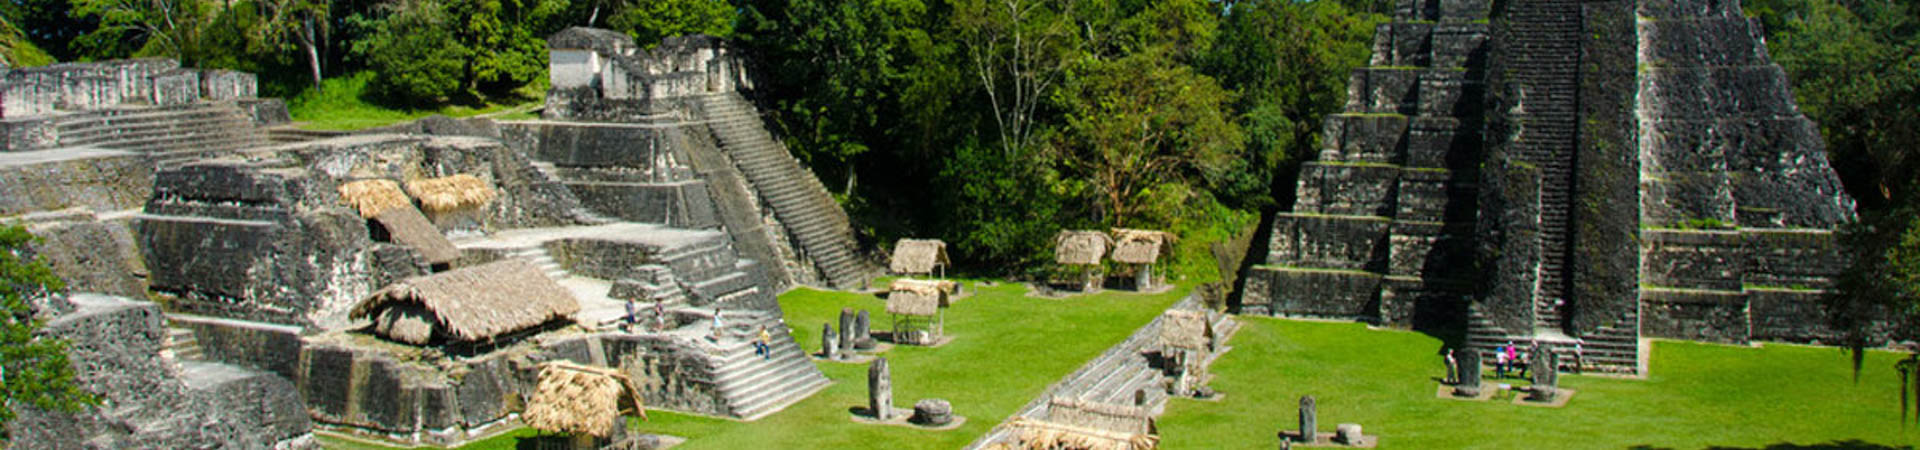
342, 104
1006, 349
1697, 396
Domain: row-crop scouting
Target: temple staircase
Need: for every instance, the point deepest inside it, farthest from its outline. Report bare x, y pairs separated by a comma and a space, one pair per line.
813, 220
756, 386
1545, 57
182, 345
172, 134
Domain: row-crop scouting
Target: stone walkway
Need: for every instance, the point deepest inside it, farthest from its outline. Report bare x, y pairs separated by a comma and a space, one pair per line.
1115, 375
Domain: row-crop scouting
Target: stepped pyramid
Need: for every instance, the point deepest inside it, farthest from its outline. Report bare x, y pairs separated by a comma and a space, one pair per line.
1564, 172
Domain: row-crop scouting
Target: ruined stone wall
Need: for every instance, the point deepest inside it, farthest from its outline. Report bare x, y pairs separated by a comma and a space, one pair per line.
150, 401
1738, 199
50, 180
1379, 228
91, 255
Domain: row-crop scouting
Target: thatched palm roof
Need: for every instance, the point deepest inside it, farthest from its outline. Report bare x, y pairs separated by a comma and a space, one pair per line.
1140, 246
916, 297
573, 398
1101, 416
373, 197
1082, 247
451, 193
480, 302
1185, 329
408, 227
1039, 434
918, 256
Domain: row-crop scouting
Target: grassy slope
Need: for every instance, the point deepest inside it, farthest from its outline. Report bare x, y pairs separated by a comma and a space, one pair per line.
1007, 348
342, 105
1698, 395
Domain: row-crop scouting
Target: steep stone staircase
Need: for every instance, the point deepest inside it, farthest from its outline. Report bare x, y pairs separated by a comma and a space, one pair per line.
1545, 42
813, 220
755, 386
182, 345
172, 134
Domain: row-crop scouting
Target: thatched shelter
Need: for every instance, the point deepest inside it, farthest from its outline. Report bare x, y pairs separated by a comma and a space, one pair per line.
372, 197
1184, 329
919, 257
581, 400
1080, 247
406, 226
1045, 435
917, 307
1132, 246
453, 193
467, 305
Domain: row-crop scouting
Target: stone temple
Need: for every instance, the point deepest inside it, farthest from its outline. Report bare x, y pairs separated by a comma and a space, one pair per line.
405, 283
1564, 171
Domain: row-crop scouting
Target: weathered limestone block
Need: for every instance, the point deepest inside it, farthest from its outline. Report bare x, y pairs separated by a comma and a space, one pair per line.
1509, 240
91, 256
1460, 44
1693, 259
1781, 314
1469, 375
1716, 41
1792, 258
933, 412
1328, 241
1348, 433
1411, 249
175, 87
670, 374
1355, 189
49, 180
1345, 294
1352, 138
1699, 315
1400, 44
1437, 142
880, 390
829, 342
1309, 421
251, 345
27, 133
115, 347
1422, 195
1390, 91
226, 85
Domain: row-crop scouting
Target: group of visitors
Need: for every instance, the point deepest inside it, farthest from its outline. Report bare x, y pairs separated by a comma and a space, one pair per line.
762, 343
1509, 358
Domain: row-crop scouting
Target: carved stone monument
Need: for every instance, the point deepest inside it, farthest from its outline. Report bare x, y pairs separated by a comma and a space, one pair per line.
1468, 384
880, 390
1308, 420
829, 342
846, 329
862, 331
1546, 379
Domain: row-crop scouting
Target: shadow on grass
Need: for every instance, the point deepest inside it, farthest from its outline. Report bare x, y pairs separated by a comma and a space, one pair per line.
1849, 444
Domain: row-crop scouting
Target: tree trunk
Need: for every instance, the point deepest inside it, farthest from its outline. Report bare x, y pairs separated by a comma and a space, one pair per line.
313, 51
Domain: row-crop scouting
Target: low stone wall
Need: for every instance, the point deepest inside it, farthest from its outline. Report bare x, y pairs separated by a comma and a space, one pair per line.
1295, 292
90, 255
604, 258
49, 180
115, 346
1790, 315
18, 134
1695, 314
253, 345
680, 205
392, 396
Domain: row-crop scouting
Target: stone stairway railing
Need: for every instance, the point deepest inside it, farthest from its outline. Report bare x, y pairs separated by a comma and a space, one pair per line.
812, 218
1115, 376
1545, 56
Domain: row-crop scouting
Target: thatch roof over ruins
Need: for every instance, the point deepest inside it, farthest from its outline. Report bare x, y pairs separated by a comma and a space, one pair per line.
1081, 247
1040, 434
408, 227
1185, 329
451, 193
574, 398
1100, 416
373, 197
1140, 246
918, 256
916, 297
480, 302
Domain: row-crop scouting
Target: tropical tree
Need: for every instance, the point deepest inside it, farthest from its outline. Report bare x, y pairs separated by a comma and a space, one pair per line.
34, 370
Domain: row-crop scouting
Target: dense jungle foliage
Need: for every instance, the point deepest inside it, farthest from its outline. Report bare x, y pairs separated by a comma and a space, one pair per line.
989, 123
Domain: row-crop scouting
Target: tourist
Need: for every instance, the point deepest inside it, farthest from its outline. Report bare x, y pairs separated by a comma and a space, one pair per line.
1579, 358
630, 312
763, 345
1524, 362
1453, 369
717, 324
1513, 356
1500, 361
659, 316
